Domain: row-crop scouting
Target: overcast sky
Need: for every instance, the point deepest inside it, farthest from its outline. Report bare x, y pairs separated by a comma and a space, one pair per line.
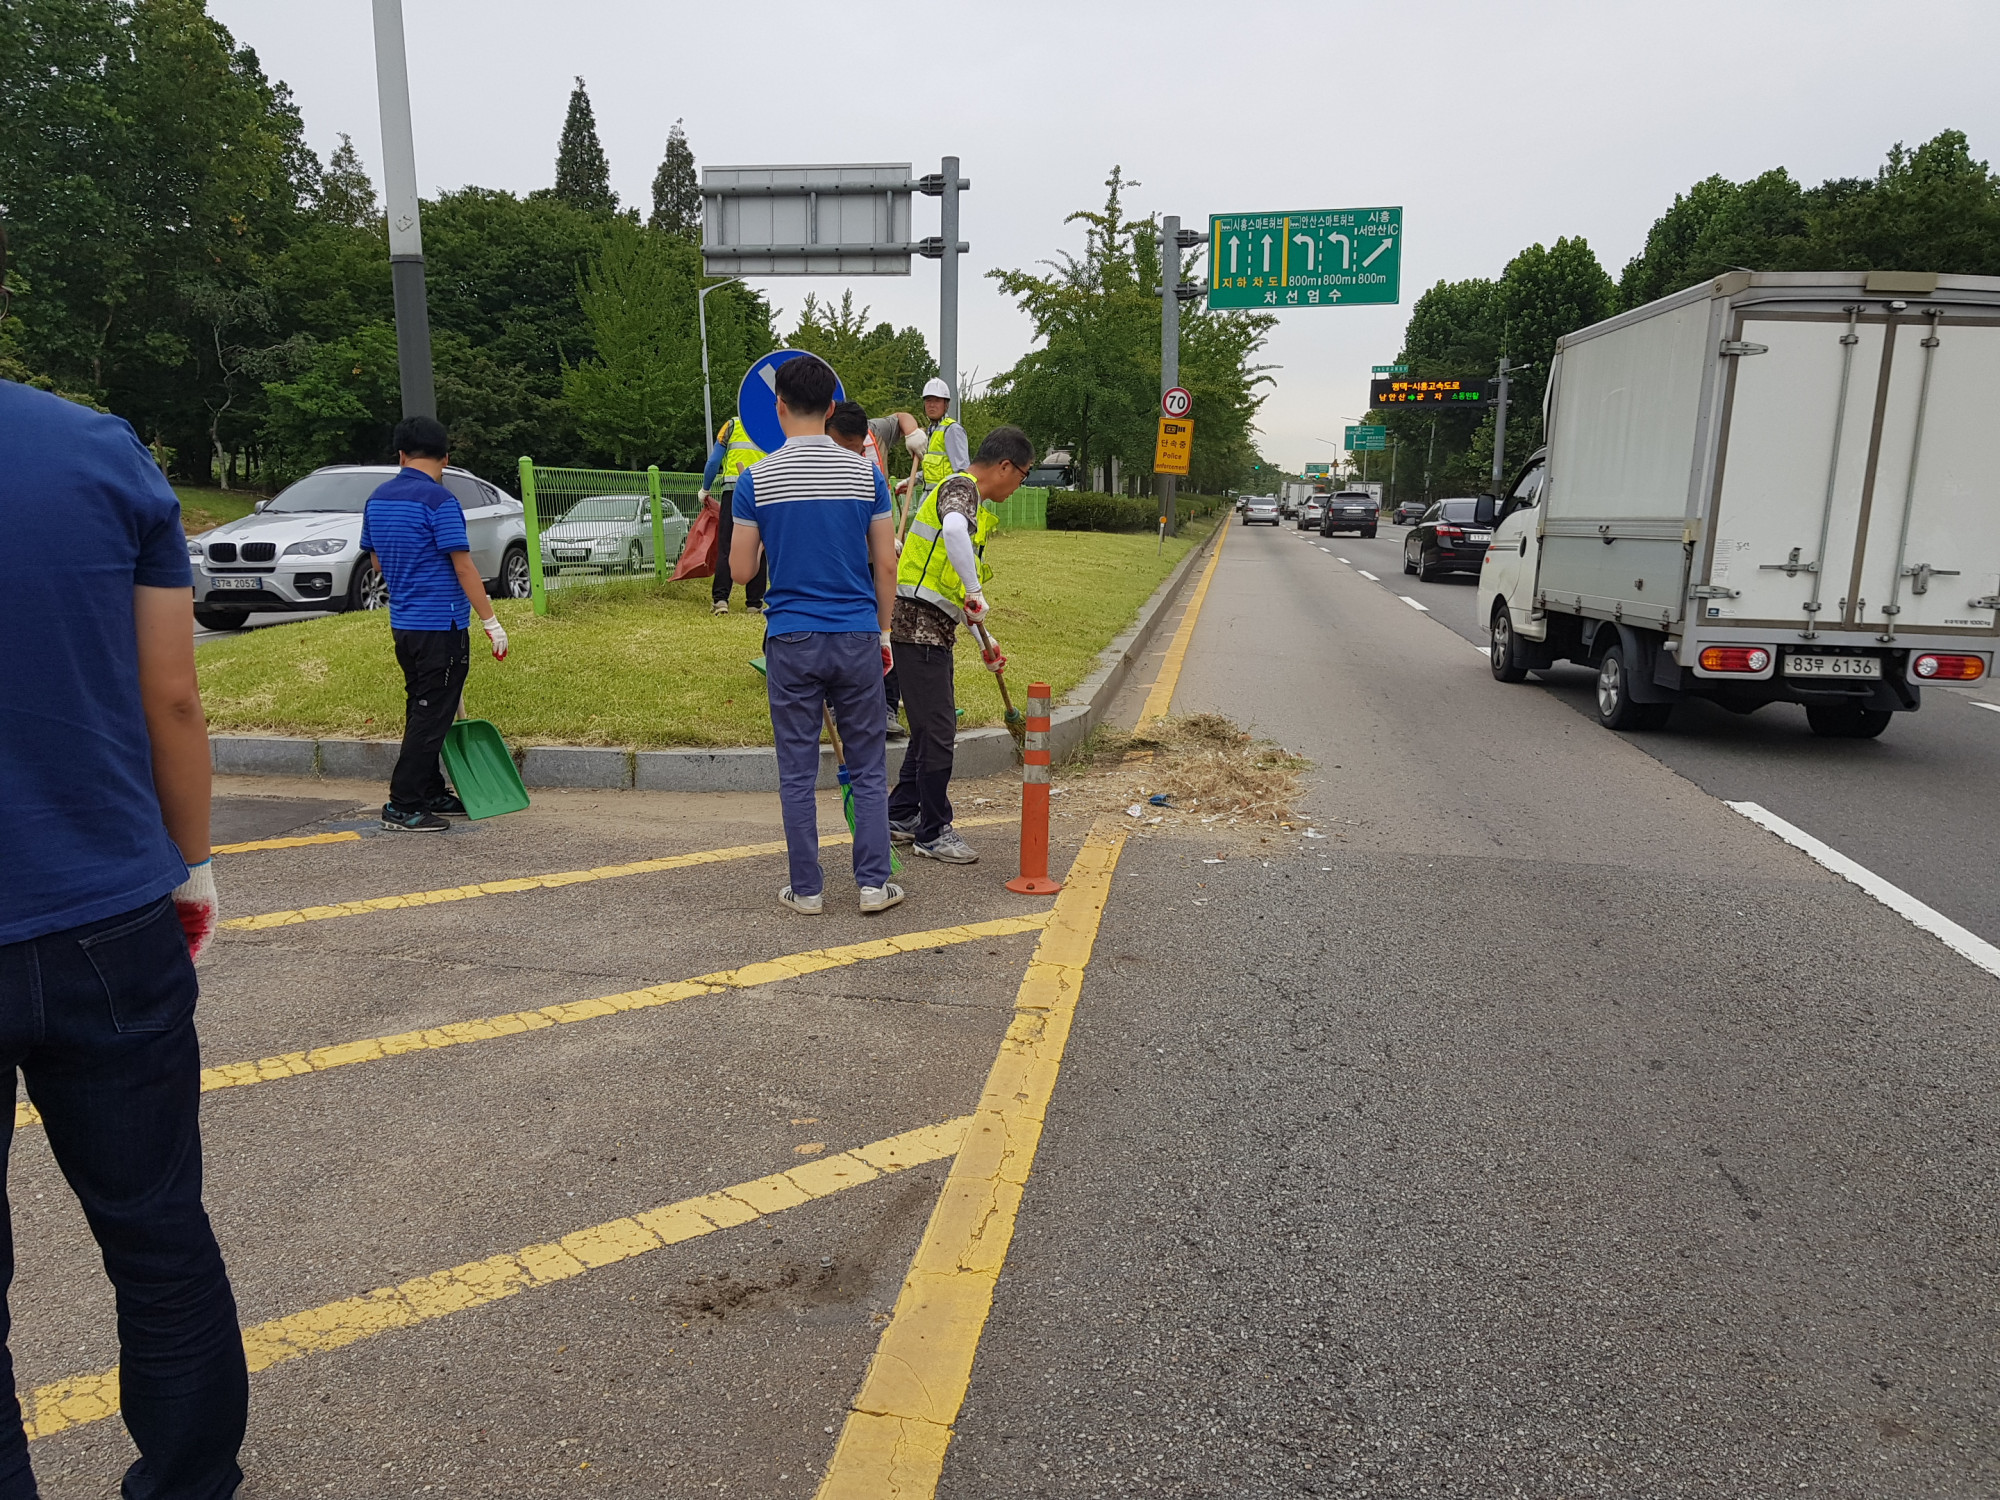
1494, 125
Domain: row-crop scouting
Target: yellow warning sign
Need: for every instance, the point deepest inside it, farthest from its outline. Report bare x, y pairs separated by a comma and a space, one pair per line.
1176, 443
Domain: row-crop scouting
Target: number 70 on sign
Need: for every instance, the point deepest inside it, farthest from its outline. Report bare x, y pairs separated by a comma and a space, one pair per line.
1326, 257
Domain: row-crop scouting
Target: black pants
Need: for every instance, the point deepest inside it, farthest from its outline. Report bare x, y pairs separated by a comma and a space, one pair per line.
753, 591
99, 1019
923, 790
434, 664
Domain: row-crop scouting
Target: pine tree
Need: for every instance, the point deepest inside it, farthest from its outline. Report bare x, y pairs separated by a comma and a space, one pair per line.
676, 194
346, 195
583, 175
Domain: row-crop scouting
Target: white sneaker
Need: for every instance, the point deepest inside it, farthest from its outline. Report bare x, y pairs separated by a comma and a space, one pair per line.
948, 847
720, 607
812, 904
878, 897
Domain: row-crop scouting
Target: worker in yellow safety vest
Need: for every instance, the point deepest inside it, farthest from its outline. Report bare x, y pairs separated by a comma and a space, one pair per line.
732, 454
946, 450
941, 584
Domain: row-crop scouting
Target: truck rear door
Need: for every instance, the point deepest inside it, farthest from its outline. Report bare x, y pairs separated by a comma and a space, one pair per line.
1793, 464
1930, 559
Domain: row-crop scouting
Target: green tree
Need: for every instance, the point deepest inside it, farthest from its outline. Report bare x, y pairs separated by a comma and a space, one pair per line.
882, 368
583, 174
676, 193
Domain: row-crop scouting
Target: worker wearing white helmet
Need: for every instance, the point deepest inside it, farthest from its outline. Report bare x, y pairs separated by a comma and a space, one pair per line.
946, 452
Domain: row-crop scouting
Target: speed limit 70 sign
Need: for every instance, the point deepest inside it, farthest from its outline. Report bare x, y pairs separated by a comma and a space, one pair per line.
1176, 402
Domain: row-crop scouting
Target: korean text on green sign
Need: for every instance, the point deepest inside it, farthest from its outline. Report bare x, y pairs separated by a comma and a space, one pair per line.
1367, 439
1317, 258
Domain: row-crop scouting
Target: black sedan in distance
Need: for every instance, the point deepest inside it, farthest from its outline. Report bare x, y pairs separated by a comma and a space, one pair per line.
1446, 541
1408, 513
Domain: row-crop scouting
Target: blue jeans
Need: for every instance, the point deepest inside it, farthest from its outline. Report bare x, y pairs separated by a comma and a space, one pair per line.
100, 1021
807, 671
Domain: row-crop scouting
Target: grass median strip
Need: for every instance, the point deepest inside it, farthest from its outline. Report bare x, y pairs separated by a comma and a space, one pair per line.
900, 1425
514, 1023
265, 921
83, 1399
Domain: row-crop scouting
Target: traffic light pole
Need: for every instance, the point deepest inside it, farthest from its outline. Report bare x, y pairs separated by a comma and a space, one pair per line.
1500, 431
406, 241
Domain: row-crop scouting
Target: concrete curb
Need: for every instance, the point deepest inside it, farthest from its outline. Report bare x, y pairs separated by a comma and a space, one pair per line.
979, 752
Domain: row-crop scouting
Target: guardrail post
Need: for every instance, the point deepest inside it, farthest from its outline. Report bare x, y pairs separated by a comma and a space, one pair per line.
533, 518
659, 525
1034, 877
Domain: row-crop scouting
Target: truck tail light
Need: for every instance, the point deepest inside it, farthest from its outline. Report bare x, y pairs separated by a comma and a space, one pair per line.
1735, 659
1935, 666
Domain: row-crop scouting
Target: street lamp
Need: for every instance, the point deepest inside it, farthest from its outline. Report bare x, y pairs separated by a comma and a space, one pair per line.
701, 316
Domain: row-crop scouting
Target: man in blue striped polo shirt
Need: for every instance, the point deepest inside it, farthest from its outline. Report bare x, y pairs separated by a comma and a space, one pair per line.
822, 517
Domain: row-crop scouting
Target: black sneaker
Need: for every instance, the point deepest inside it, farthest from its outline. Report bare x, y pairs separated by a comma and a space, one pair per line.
448, 806
419, 821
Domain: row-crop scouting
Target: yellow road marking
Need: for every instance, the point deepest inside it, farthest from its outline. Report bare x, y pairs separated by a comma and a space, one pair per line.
64, 1404
897, 1431
298, 843
1161, 699
486, 1028
302, 914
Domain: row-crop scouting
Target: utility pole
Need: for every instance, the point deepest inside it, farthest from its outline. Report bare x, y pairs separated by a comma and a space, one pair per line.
946, 248
701, 316
1500, 431
1173, 240
406, 240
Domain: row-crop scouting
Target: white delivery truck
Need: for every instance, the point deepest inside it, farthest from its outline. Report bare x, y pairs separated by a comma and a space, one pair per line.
1776, 487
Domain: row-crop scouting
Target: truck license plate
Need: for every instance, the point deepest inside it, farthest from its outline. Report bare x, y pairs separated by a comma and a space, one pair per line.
1797, 665
236, 583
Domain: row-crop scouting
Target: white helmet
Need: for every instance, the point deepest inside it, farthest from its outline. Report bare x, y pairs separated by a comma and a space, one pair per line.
935, 386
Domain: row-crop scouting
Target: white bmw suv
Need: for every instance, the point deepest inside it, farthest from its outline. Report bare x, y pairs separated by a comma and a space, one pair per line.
301, 550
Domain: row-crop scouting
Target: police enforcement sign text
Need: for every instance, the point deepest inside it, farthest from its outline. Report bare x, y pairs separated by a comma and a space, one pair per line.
1315, 258
1174, 447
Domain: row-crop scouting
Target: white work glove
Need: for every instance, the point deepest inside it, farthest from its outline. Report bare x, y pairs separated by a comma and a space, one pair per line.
196, 905
497, 634
918, 442
975, 608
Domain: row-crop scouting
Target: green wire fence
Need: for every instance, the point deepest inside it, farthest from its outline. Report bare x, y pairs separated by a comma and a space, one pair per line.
593, 525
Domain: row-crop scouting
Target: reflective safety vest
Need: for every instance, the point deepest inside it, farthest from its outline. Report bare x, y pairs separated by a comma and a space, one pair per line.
742, 452
925, 571
937, 463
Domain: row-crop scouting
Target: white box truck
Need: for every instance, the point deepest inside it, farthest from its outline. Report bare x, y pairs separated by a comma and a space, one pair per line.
1776, 487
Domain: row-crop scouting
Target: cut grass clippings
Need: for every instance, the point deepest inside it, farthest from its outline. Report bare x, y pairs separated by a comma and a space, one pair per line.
646, 665
1208, 770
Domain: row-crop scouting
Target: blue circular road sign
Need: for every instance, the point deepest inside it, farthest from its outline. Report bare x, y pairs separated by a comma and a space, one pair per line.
757, 398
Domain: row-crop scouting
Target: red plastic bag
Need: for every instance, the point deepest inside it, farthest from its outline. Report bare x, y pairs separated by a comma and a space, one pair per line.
698, 556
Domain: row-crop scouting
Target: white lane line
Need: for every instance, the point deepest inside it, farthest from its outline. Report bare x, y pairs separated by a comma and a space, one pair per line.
1367, 575
1967, 945
1413, 603
1990, 707
1342, 559
1486, 651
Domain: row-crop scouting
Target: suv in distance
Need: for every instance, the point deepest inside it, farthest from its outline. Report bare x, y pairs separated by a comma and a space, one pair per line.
1447, 540
1350, 510
1311, 510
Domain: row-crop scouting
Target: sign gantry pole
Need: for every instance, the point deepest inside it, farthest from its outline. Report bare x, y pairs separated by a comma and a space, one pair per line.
1170, 340
948, 279
406, 241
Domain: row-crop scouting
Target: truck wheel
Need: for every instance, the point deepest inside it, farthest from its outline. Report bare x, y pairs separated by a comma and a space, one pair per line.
1839, 721
1615, 707
1504, 654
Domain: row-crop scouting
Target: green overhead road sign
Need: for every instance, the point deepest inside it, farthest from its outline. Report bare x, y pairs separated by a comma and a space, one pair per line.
1330, 257
1392, 369
1318, 470
1367, 439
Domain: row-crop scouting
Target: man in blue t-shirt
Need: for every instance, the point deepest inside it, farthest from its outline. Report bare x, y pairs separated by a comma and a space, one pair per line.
104, 772
416, 530
822, 517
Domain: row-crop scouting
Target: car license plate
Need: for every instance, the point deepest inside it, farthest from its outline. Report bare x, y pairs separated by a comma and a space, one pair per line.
1479, 536
1797, 665
236, 583
563, 556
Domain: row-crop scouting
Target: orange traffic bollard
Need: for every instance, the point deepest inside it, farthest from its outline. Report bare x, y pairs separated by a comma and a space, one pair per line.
1034, 877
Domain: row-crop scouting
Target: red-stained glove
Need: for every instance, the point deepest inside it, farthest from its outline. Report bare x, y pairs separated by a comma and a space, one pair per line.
991, 658
496, 633
195, 904
975, 609
888, 656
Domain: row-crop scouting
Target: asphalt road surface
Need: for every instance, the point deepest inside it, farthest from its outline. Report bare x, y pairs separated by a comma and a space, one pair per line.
1537, 1126
1910, 806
